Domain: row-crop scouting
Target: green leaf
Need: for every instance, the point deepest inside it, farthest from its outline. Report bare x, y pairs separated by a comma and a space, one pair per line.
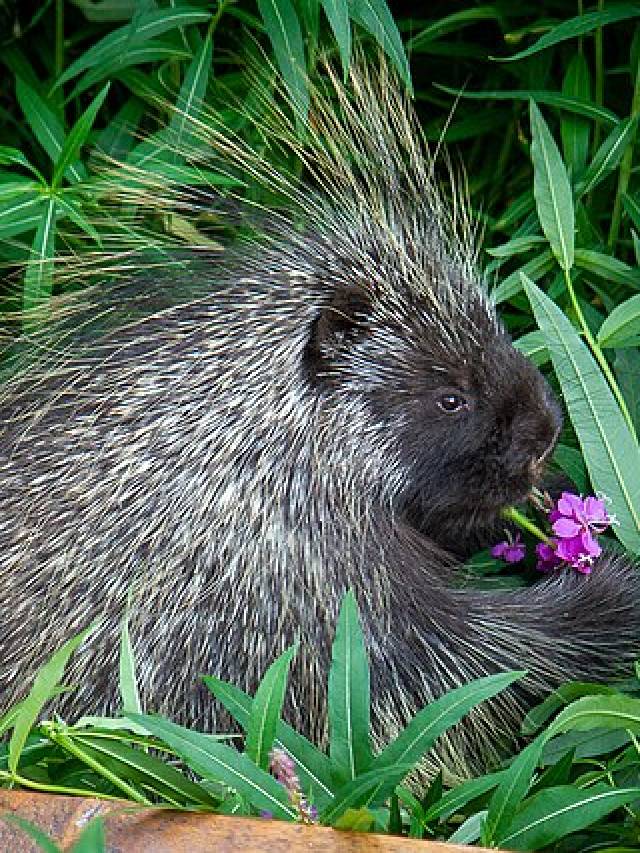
607, 267
451, 23
469, 831
516, 246
266, 709
540, 96
429, 723
363, 790
38, 278
283, 28
608, 155
622, 327
21, 213
609, 449
77, 137
615, 711
10, 156
348, 698
579, 26
312, 765
92, 839
218, 762
44, 685
627, 370
46, 127
73, 208
552, 191
533, 346
337, 12
557, 812
572, 463
457, 798
513, 786
575, 130
563, 695
121, 41
374, 16
127, 682
118, 137
533, 269
189, 103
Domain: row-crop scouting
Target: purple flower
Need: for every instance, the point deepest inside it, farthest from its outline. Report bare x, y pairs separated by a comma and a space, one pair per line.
548, 559
576, 522
511, 551
284, 769
266, 814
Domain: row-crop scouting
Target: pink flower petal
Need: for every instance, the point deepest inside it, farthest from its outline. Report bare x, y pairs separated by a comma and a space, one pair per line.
566, 527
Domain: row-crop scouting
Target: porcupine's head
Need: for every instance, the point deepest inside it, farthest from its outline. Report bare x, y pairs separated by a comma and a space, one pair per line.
408, 329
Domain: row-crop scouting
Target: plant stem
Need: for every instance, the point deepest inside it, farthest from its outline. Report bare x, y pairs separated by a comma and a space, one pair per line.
53, 789
625, 168
517, 517
599, 356
59, 49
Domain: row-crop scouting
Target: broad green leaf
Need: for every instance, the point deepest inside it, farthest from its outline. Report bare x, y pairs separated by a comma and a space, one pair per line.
608, 267
121, 41
540, 96
283, 28
608, 155
615, 711
513, 787
429, 723
588, 744
469, 831
533, 346
38, 277
92, 839
533, 269
266, 709
627, 370
127, 682
457, 798
574, 129
221, 763
312, 765
563, 695
609, 449
622, 327
452, 23
552, 191
374, 16
190, 97
516, 246
76, 138
44, 685
557, 812
337, 12
46, 127
348, 698
579, 26
142, 768
22, 212
363, 790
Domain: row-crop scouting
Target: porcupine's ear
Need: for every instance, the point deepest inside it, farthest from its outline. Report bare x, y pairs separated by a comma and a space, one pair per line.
341, 321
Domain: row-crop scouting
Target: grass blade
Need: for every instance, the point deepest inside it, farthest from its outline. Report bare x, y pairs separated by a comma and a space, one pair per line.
266, 709
610, 450
552, 190
348, 698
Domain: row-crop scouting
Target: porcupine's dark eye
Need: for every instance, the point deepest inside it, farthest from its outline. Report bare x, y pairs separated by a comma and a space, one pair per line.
451, 404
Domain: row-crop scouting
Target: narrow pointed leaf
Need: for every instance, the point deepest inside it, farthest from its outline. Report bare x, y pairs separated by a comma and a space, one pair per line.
374, 16
608, 155
76, 137
44, 686
362, 791
552, 191
533, 269
622, 327
128, 683
429, 723
132, 35
557, 812
266, 710
609, 449
615, 711
348, 699
283, 28
579, 26
92, 839
608, 268
190, 97
38, 278
512, 789
21, 212
337, 12
457, 798
218, 762
46, 127
312, 765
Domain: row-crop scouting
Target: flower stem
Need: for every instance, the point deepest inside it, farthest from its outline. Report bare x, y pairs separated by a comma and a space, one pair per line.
517, 517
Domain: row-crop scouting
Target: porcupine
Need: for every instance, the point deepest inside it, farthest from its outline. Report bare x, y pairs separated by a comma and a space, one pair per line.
337, 406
